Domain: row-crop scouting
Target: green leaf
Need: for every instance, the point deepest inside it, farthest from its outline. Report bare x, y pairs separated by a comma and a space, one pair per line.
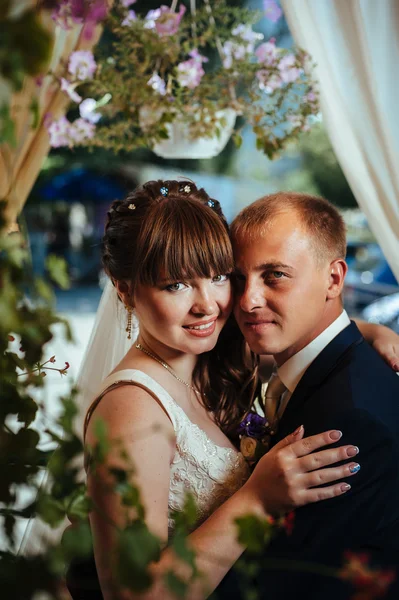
34, 108
19, 362
183, 551
77, 540
254, 533
259, 144
187, 517
58, 270
101, 449
9, 524
137, 549
27, 410
176, 584
237, 139
80, 505
44, 290
70, 410
7, 127
50, 510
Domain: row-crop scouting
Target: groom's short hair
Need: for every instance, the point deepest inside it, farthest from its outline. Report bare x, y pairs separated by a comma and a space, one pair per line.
320, 218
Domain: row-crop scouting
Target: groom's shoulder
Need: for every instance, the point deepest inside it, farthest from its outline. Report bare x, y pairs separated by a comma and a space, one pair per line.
360, 379
363, 368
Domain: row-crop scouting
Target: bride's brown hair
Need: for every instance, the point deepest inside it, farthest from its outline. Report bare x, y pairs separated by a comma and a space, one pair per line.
182, 233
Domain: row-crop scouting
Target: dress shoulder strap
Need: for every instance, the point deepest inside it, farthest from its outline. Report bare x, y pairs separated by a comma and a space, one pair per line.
138, 379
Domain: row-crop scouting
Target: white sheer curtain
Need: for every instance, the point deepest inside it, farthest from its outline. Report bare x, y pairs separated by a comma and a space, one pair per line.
355, 44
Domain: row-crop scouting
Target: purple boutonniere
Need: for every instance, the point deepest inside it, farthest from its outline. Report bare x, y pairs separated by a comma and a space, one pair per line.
254, 432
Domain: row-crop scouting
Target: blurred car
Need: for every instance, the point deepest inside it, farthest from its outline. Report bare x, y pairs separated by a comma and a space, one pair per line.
384, 311
369, 276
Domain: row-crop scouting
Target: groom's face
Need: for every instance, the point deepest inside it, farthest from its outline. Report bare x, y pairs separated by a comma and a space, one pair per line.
281, 288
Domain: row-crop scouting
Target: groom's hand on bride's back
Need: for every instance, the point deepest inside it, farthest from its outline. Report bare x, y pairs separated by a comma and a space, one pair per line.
293, 474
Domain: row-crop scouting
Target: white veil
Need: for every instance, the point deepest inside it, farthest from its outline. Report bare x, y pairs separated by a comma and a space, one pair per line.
107, 346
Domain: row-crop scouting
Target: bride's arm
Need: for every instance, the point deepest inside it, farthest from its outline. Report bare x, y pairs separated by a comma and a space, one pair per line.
384, 341
282, 480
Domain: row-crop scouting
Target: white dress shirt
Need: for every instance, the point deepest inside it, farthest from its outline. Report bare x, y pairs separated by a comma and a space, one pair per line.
294, 368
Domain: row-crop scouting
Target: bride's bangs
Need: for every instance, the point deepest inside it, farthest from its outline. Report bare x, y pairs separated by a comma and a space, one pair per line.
186, 240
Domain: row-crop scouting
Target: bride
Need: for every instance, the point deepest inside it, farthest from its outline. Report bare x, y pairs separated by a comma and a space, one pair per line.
186, 381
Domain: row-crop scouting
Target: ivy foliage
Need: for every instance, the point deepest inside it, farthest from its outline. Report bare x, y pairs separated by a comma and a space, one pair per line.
26, 328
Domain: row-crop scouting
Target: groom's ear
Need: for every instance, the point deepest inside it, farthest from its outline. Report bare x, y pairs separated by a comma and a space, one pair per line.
338, 269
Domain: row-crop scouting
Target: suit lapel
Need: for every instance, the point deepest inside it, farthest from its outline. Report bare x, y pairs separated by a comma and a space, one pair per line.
319, 370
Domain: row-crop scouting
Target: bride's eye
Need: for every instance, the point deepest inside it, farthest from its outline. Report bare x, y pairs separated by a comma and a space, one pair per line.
220, 278
175, 287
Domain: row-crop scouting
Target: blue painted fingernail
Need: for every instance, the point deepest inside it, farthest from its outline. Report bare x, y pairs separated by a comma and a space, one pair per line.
354, 468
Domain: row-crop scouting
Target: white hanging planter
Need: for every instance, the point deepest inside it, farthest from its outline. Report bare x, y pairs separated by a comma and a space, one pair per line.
180, 145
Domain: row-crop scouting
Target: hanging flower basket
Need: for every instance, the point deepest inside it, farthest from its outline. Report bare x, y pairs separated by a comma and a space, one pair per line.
175, 80
180, 145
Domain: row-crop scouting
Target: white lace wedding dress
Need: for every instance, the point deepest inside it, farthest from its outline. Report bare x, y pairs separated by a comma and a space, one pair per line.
210, 472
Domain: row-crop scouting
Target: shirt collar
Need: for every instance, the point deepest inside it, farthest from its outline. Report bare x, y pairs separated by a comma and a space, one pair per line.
293, 369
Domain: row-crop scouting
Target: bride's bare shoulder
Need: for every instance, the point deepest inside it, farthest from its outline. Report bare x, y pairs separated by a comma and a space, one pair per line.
128, 411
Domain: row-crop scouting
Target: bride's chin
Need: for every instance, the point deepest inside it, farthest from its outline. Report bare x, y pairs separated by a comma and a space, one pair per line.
204, 344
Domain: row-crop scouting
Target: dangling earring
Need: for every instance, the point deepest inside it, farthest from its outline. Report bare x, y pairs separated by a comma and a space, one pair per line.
129, 322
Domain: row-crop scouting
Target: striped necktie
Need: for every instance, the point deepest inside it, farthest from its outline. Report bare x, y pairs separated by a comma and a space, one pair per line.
274, 391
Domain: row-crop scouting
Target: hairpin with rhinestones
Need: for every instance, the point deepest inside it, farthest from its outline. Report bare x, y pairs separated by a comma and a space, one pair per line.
210, 203
164, 191
186, 189
132, 206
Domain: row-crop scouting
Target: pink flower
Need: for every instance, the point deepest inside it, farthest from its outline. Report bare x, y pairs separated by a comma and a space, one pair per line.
197, 56
295, 121
82, 65
129, 19
39, 80
242, 46
272, 10
64, 15
168, 21
87, 110
151, 17
157, 84
81, 130
246, 33
97, 12
267, 53
233, 50
72, 12
288, 71
59, 132
311, 97
268, 83
190, 72
69, 88
127, 3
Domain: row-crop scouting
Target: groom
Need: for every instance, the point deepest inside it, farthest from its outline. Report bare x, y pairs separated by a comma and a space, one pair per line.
290, 257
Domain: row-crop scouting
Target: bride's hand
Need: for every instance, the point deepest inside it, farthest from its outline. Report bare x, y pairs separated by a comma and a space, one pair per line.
289, 474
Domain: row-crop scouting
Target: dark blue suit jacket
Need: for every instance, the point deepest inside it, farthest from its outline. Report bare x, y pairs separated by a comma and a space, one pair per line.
347, 387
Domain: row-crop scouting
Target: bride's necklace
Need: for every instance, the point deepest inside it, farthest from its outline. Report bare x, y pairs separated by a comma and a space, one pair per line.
165, 366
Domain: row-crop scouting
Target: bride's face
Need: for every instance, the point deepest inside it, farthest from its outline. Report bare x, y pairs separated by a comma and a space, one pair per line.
185, 316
